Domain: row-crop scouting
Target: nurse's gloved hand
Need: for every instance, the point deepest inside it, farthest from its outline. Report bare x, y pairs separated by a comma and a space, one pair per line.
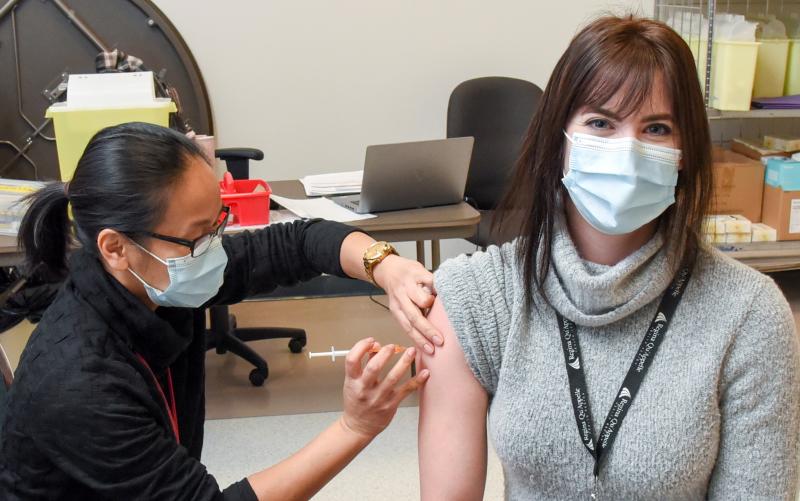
409, 287
369, 402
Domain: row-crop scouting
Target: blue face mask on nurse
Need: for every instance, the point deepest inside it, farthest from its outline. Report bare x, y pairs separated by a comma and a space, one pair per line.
196, 277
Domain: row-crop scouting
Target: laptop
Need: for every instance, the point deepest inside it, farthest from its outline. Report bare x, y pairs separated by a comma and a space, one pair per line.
412, 175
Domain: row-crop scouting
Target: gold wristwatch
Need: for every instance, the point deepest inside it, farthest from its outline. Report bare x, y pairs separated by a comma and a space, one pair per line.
374, 254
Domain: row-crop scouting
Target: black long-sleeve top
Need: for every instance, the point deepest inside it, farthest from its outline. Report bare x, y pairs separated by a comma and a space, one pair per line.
85, 418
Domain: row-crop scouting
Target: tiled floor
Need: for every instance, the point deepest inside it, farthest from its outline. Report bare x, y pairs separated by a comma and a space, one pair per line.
387, 470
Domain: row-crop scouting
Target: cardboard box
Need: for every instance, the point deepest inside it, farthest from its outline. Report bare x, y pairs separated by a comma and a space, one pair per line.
713, 238
738, 225
738, 238
782, 212
783, 173
764, 233
715, 225
738, 185
754, 148
782, 143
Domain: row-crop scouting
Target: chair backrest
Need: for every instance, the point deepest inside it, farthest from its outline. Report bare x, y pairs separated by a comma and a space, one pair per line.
496, 111
237, 160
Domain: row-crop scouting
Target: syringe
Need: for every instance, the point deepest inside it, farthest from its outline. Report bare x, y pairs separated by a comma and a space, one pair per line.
342, 353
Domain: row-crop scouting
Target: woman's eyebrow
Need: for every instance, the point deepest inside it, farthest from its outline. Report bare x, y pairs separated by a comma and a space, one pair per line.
206, 223
658, 116
602, 111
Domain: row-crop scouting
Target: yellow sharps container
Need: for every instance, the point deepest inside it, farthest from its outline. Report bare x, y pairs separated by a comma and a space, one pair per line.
75, 125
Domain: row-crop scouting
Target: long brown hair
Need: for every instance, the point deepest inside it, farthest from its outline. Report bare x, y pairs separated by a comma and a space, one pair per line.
609, 55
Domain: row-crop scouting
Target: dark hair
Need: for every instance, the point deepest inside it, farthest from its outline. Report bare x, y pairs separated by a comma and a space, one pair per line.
609, 55
121, 182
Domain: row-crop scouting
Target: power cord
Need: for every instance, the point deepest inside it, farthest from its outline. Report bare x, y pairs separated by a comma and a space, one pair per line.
372, 298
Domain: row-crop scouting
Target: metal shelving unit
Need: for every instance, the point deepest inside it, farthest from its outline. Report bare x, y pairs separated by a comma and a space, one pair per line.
685, 17
714, 114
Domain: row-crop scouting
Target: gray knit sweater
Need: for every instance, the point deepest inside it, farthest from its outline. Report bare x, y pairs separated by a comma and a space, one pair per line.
716, 416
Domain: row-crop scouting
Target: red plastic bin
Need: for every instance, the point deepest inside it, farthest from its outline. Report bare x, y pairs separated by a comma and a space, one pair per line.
248, 206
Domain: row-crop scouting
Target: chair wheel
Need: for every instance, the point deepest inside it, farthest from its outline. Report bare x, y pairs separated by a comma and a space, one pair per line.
257, 376
296, 345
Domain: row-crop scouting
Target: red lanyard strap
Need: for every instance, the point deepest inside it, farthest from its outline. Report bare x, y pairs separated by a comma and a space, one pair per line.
172, 409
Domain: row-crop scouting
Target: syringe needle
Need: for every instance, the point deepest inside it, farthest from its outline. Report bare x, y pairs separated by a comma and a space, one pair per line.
342, 353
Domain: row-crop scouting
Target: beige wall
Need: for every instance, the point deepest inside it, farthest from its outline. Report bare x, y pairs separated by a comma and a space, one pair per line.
313, 82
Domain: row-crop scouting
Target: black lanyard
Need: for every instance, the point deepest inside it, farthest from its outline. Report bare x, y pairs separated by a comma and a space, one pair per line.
633, 380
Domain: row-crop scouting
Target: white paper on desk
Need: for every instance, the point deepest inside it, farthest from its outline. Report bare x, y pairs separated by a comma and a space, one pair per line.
320, 207
337, 183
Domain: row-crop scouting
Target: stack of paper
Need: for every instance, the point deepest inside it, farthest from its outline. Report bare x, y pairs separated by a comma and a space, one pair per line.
338, 183
319, 207
12, 209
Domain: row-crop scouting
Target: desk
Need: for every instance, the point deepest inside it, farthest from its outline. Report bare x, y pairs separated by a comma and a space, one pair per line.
9, 255
766, 257
442, 222
432, 223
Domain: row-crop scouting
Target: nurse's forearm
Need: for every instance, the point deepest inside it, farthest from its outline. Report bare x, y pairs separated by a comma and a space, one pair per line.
352, 255
302, 475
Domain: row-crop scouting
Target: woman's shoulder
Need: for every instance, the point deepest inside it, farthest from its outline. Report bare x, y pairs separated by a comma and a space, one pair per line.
489, 279
496, 266
479, 294
730, 286
734, 279
68, 348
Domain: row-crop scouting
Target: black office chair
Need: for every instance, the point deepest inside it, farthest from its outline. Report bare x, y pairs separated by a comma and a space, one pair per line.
496, 111
223, 334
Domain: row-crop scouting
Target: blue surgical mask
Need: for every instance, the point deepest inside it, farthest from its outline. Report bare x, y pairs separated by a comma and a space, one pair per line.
192, 280
619, 185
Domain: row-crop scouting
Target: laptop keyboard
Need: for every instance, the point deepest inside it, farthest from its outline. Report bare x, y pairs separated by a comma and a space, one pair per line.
348, 204
352, 205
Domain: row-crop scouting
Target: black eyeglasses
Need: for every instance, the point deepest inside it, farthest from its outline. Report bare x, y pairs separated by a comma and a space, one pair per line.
200, 245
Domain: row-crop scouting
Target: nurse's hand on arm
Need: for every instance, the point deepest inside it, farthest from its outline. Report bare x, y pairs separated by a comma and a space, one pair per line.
369, 406
407, 283
452, 422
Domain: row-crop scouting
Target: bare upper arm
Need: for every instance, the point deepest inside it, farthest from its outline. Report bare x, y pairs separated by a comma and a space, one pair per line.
452, 423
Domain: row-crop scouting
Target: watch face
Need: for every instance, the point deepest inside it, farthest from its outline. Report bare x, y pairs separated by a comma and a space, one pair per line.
376, 252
